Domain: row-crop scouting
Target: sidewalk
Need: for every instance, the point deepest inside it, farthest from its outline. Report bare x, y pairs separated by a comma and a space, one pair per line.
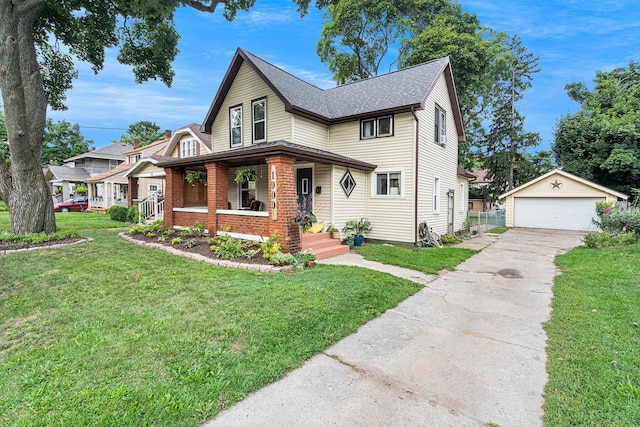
467, 350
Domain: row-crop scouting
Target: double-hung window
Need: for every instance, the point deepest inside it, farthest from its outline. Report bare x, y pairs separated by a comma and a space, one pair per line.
259, 119
440, 130
188, 148
436, 194
389, 182
235, 125
247, 194
376, 127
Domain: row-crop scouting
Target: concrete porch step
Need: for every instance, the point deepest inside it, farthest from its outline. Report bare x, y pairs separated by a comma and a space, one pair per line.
323, 245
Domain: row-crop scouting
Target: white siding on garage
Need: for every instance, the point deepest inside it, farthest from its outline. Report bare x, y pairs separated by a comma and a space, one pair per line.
575, 213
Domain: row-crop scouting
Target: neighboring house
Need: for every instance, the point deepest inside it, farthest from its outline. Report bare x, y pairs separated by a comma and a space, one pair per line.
147, 180
113, 187
383, 149
557, 200
480, 181
85, 165
65, 178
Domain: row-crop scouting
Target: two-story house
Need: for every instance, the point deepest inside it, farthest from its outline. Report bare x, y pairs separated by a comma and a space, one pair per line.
77, 169
384, 149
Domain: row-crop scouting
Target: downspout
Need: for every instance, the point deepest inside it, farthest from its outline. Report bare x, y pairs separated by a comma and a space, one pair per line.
415, 183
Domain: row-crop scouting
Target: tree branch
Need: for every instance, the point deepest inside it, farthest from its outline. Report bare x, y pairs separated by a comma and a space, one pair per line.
201, 7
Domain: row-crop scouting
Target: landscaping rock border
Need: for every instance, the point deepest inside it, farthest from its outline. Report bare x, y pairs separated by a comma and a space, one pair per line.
197, 257
53, 246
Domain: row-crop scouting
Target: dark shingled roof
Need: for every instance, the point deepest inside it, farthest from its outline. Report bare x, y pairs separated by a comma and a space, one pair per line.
65, 173
398, 91
113, 151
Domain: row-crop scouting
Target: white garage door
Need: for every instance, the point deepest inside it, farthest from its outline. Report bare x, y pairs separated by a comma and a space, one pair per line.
556, 213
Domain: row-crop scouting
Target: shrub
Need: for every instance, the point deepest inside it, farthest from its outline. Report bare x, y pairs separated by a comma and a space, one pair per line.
449, 239
81, 189
305, 256
606, 239
197, 230
270, 246
132, 214
118, 213
279, 258
226, 247
620, 220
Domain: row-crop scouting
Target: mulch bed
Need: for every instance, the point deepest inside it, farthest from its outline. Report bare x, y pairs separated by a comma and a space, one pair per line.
202, 247
12, 247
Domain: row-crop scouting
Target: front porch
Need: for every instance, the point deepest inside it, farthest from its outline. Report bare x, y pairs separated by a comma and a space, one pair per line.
221, 204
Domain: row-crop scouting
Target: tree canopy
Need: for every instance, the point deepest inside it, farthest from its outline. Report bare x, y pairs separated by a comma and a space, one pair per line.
601, 142
144, 131
40, 40
62, 140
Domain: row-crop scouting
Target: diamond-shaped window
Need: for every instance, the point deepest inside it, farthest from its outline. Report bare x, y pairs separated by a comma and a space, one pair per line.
348, 183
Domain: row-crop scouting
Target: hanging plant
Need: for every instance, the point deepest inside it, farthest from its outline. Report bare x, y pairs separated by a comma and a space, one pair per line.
196, 177
245, 175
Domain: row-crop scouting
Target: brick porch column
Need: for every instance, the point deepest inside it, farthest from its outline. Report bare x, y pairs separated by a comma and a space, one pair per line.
133, 191
283, 202
217, 193
174, 197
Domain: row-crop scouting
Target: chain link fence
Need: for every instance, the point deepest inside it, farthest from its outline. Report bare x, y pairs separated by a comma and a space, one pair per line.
483, 222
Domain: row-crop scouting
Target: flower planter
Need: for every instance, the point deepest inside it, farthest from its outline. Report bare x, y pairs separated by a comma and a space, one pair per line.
335, 234
358, 240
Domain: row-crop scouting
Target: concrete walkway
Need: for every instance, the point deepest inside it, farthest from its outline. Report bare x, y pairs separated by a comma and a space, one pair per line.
467, 350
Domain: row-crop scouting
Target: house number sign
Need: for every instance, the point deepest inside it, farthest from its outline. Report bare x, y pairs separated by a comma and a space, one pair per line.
274, 188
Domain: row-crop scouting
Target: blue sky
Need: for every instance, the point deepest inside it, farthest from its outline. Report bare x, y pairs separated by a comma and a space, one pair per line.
572, 38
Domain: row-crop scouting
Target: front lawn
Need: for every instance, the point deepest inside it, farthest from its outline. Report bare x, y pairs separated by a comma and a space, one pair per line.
427, 260
111, 333
594, 335
73, 220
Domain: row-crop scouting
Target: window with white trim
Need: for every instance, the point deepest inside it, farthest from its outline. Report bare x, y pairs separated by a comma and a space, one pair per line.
188, 148
376, 127
259, 119
235, 125
461, 207
248, 193
436, 194
388, 182
440, 130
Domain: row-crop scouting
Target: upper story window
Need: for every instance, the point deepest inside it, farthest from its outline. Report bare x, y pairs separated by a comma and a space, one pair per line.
259, 119
188, 148
436, 194
235, 125
440, 131
377, 127
113, 164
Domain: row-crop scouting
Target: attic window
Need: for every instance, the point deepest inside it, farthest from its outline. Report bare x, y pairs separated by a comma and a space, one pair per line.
259, 118
235, 125
187, 148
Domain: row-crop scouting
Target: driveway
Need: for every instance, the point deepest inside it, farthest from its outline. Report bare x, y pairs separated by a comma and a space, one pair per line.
467, 350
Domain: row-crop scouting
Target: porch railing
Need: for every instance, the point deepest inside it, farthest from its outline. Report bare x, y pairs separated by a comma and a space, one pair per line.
96, 202
151, 208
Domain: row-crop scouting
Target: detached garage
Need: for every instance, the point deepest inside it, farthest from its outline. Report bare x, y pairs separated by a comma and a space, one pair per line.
556, 200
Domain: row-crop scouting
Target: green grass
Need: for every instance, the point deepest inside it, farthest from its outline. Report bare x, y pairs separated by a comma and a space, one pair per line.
74, 220
111, 333
426, 260
498, 230
3, 206
594, 334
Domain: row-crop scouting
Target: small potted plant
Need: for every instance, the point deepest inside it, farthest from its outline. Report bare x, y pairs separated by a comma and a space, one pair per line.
307, 258
357, 229
348, 240
335, 233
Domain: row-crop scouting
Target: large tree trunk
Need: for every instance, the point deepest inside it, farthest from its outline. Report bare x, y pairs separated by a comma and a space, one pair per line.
22, 183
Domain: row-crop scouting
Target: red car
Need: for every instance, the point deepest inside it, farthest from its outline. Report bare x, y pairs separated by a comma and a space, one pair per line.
77, 204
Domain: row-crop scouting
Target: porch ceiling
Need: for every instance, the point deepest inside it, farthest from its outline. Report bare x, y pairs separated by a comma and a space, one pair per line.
256, 154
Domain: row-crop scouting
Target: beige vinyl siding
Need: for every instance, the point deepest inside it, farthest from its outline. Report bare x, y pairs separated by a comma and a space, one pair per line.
392, 218
262, 189
148, 170
309, 133
143, 186
437, 161
246, 87
353, 207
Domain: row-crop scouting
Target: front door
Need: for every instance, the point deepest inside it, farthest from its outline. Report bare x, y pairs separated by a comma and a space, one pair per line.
304, 187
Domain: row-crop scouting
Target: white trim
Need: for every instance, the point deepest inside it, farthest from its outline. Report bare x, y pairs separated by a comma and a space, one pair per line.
461, 197
192, 210
374, 183
152, 175
177, 136
252, 237
436, 194
241, 212
253, 120
239, 144
180, 227
569, 176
